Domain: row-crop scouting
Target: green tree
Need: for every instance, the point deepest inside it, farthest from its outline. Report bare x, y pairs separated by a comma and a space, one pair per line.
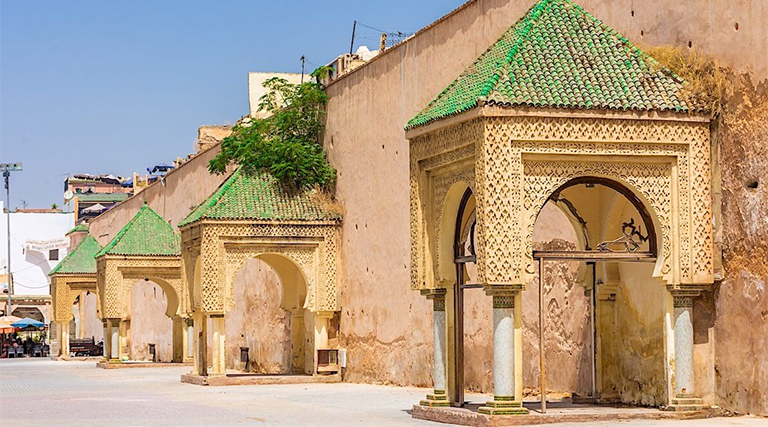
285, 144
54, 206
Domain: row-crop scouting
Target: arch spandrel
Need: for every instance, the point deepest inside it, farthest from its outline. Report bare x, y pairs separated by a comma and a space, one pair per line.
665, 159
65, 288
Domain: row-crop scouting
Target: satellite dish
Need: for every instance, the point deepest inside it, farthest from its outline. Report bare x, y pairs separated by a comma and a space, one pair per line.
68, 195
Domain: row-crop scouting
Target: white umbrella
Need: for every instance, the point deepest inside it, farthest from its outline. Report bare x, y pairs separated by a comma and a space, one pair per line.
98, 207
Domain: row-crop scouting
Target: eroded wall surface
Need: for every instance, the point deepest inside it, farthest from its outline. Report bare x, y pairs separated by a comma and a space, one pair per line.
91, 324
741, 300
149, 323
258, 322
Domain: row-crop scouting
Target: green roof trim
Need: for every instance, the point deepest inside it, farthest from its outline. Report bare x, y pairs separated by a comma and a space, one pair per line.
259, 197
147, 233
560, 56
82, 227
101, 197
81, 260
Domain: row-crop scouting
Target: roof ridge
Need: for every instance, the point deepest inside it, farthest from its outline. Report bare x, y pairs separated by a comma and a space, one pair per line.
538, 9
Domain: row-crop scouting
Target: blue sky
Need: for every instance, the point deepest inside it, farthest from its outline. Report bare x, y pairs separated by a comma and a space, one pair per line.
116, 86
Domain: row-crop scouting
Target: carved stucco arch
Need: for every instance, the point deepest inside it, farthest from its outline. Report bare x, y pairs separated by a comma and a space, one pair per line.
665, 159
66, 288
117, 275
651, 183
216, 251
305, 258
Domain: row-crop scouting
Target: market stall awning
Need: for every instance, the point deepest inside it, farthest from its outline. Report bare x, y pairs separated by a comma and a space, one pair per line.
27, 322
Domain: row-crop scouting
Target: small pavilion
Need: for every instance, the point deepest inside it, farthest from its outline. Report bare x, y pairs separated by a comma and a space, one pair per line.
563, 109
147, 248
293, 231
73, 277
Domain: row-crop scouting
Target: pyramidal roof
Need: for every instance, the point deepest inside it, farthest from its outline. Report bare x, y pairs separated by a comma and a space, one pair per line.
83, 226
147, 233
81, 260
560, 56
259, 197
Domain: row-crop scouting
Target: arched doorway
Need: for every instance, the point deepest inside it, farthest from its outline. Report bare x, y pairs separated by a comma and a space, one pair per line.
618, 250
268, 328
153, 327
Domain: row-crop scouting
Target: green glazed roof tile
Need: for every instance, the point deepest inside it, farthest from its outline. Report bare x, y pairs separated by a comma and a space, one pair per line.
558, 55
147, 233
259, 197
83, 226
81, 260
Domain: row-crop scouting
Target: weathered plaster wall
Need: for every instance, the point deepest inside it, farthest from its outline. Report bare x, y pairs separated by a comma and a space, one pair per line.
741, 300
149, 323
258, 321
91, 324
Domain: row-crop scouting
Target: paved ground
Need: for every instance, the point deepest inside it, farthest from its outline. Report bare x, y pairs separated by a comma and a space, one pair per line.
46, 393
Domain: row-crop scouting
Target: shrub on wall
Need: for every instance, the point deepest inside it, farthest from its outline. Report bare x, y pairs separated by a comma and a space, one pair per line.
286, 143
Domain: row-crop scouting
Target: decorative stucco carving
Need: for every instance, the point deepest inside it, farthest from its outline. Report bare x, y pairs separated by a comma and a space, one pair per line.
64, 289
117, 275
515, 164
224, 247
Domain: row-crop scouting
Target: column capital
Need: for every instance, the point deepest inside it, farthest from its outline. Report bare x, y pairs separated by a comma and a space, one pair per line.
436, 293
687, 290
499, 289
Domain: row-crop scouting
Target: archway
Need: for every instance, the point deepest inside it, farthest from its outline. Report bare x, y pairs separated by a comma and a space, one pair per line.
154, 330
268, 328
618, 245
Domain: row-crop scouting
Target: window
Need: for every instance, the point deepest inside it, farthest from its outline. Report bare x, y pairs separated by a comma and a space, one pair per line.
53, 255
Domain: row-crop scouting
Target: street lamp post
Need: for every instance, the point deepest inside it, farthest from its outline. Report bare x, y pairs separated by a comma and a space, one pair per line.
7, 168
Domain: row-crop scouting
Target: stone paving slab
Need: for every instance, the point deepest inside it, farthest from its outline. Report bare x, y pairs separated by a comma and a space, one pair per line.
256, 379
46, 393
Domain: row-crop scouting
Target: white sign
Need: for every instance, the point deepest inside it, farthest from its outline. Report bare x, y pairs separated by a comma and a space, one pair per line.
46, 245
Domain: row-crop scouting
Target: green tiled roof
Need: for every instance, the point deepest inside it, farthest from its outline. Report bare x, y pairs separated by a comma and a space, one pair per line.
560, 56
101, 197
80, 260
83, 226
147, 233
259, 197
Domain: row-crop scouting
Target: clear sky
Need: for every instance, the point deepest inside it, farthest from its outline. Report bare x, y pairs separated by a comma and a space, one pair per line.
117, 86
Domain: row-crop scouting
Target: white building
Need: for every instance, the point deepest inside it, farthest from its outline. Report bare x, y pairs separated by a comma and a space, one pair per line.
38, 243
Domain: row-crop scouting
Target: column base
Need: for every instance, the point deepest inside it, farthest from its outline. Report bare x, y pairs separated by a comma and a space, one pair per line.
503, 405
436, 400
686, 404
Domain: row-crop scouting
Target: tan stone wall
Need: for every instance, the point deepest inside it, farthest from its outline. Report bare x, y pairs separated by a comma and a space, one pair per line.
741, 300
185, 188
258, 322
149, 323
91, 326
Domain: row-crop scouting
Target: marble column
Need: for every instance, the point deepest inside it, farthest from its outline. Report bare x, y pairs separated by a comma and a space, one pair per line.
219, 362
112, 340
504, 401
439, 397
684, 386
64, 343
189, 339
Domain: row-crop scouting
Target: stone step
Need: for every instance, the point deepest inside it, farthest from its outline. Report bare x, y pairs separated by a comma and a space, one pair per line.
685, 408
687, 401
